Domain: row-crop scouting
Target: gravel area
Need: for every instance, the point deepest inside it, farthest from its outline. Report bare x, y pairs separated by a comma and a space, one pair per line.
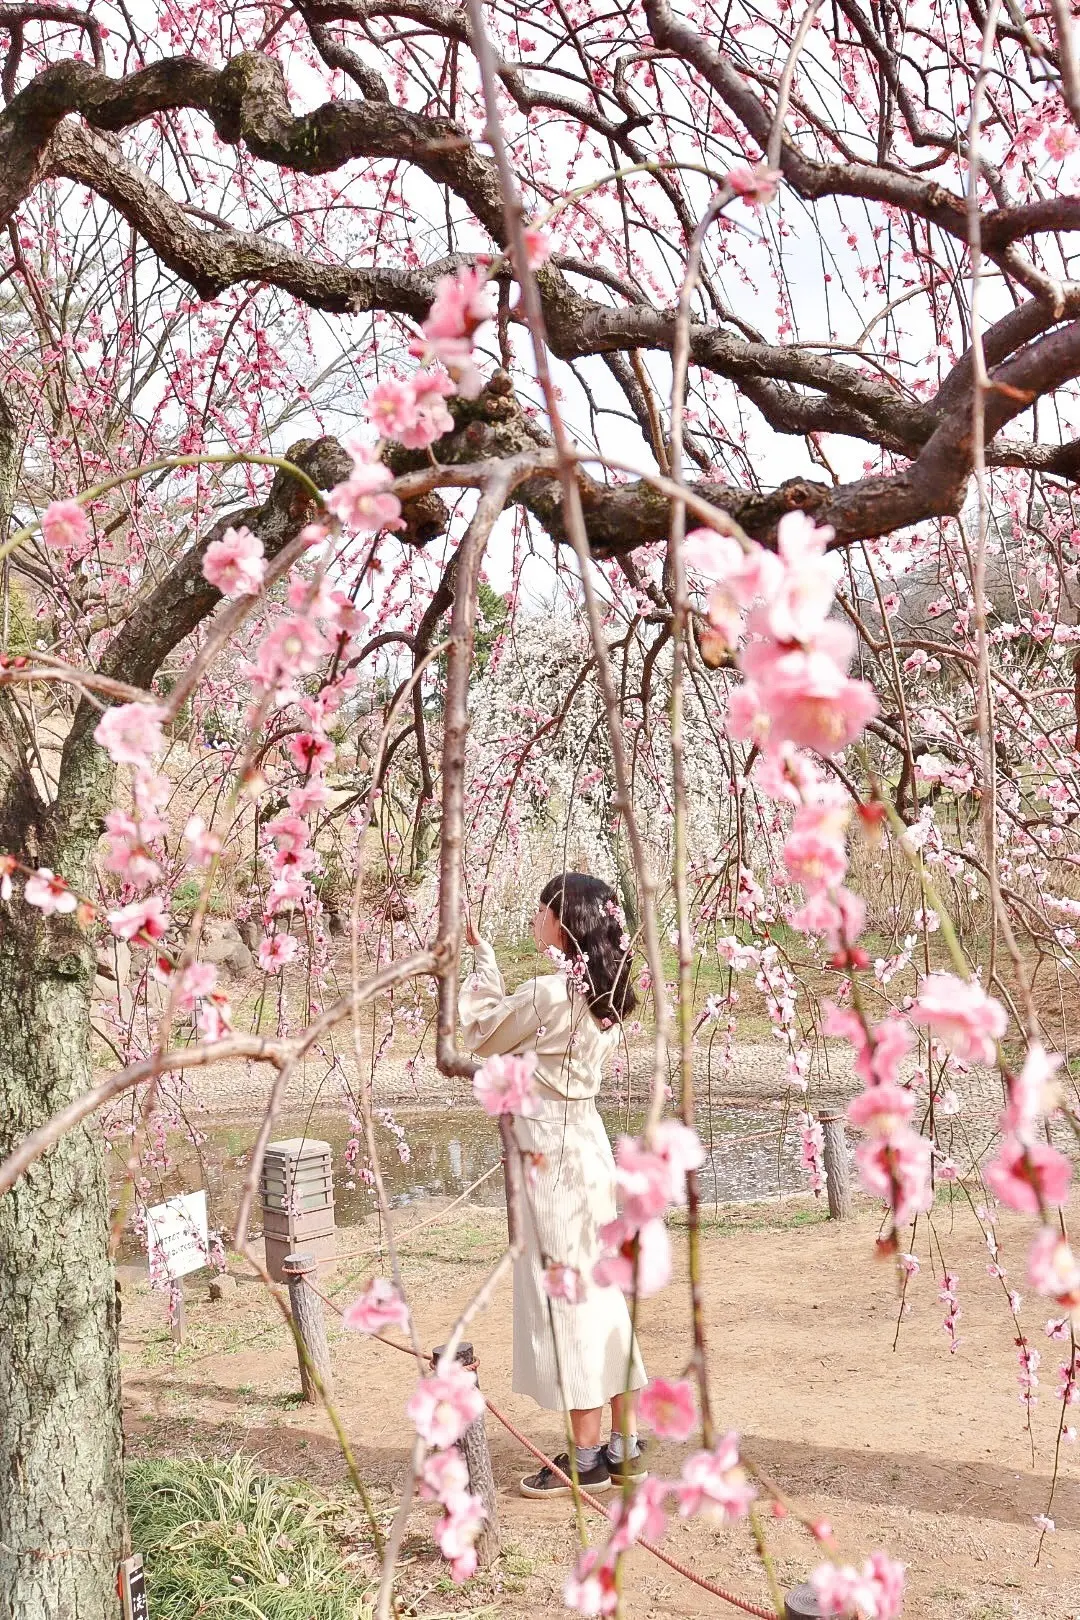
758, 1076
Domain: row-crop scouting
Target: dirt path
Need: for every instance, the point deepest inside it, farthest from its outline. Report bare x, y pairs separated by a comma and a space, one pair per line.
915, 1450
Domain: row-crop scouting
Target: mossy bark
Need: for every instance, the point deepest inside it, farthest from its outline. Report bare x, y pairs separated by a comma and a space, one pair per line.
61, 1496
61, 1480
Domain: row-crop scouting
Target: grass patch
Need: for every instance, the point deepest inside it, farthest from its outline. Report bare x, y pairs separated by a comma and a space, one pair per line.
223, 1538
761, 1217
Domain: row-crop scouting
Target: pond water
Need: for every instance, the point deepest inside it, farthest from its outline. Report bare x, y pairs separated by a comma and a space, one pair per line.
752, 1154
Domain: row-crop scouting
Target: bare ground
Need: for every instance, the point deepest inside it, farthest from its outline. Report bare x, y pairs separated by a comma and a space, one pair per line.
913, 1449
757, 1075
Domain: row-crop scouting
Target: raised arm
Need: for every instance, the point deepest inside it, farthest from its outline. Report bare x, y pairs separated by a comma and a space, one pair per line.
493, 1022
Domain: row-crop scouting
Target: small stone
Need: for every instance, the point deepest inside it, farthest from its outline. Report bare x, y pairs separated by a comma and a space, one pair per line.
223, 1287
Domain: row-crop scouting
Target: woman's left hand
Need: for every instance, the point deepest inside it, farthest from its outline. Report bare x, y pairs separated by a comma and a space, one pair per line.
471, 936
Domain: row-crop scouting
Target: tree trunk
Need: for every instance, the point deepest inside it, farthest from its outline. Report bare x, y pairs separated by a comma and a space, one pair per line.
61, 1483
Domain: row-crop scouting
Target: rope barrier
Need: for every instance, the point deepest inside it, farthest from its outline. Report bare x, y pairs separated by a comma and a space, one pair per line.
649, 1546
598, 1507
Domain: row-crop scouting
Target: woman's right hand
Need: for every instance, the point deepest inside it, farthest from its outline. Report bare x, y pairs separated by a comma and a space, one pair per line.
471, 936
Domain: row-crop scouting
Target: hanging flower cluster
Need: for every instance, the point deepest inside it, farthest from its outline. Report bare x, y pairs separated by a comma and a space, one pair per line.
650, 1176
713, 1485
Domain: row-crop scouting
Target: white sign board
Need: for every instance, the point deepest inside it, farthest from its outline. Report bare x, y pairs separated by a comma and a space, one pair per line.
177, 1237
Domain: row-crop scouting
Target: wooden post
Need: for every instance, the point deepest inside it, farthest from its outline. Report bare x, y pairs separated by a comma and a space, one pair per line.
801, 1603
474, 1448
837, 1173
307, 1312
177, 1318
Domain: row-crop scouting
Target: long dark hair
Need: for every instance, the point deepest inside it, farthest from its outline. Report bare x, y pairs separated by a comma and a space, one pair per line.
592, 920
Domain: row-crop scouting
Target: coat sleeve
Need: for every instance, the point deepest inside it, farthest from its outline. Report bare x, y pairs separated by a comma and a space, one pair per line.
494, 1023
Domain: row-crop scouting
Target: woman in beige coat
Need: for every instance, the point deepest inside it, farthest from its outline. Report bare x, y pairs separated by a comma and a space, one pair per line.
574, 1347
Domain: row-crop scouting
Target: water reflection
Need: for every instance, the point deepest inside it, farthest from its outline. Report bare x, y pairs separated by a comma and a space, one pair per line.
750, 1155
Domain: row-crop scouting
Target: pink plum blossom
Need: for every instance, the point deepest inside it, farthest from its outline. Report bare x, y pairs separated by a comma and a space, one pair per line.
642, 1516
876, 1592
622, 1239
143, 922
293, 647
651, 1179
806, 697
537, 246
127, 854
445, 1474
64, 525
755, 185
235, 564
1053, 1269
49, 892
892, 1041
506, 1085
681, 1150
199, 980
456, 1534
882, 1110
897, 1169
202, 844
643, 1179
715, 1483
960, 1013
803, 598
1060, 140
812, 1153
391, 407
308, 796
412, 412
591, 1589
444, 1404
564, 1282
1033, 1093
364, 502
131, 733
380, 1306
669, 1408
815, 860
1029, 1177
310, 752
745, 572
840, 917
460, 307
276, 951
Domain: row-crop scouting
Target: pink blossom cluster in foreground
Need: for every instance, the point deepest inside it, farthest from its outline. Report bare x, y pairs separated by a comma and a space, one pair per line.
712, 1484
441, 1407
650, 1176
772, 611
874, 1592
412, 410
507, 1085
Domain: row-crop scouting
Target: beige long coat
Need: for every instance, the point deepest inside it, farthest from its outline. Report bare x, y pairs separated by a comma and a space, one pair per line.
565, 1355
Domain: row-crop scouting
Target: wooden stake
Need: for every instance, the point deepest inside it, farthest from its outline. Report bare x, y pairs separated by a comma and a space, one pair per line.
801, 1603
837, 1172
475, 1450
177, 1314
307, 1311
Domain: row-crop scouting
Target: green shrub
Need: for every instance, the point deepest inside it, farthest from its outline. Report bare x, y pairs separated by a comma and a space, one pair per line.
225, 1539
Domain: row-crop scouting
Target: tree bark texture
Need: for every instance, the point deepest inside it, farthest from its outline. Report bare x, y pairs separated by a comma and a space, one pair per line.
61, 1447
307, 1310
61, 1484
